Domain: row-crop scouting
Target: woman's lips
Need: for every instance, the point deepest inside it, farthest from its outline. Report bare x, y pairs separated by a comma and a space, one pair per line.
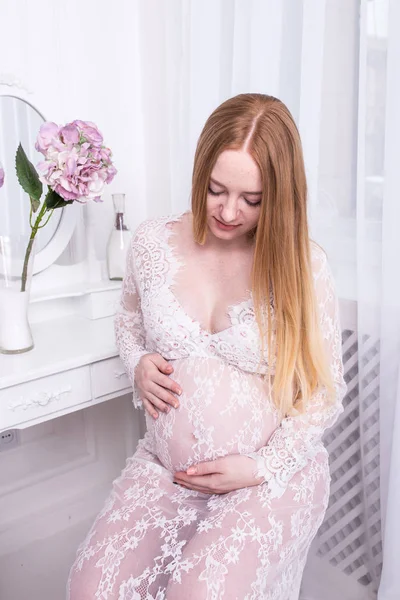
225, 227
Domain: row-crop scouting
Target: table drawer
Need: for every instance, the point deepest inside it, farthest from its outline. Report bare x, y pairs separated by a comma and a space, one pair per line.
35, 399
108, 376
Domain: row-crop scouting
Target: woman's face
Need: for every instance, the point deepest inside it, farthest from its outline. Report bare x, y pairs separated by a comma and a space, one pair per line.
234, 195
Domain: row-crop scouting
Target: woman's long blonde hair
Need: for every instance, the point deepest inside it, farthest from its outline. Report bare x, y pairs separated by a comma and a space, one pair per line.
282, 263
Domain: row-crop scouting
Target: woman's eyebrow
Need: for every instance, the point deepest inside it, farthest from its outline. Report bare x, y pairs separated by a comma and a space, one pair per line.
222, 185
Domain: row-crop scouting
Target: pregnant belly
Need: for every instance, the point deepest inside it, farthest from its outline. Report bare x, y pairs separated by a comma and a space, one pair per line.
222, 411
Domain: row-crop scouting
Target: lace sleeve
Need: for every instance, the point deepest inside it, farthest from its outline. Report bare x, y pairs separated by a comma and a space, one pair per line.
129, 329
298, 438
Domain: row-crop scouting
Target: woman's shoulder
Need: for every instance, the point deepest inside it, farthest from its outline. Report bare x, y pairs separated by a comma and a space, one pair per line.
154, 229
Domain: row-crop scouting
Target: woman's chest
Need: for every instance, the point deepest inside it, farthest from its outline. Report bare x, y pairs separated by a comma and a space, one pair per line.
172, 332
207, 286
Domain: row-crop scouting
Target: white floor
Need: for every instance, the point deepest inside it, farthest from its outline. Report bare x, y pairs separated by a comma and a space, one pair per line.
321, 581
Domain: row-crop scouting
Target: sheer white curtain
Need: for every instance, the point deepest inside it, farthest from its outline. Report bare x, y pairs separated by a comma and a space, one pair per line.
193, 55
334, 64
390, 318
355, 216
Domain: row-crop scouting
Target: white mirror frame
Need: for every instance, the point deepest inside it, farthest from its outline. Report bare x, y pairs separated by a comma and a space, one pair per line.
11, 86
56, 246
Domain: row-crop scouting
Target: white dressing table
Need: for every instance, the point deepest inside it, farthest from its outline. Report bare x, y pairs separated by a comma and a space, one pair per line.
74, 364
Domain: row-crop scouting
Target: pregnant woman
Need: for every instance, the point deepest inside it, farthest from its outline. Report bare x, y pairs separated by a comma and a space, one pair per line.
229, 330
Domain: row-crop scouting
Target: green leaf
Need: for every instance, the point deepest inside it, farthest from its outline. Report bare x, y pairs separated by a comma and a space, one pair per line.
27, 175
54, 200
35, 204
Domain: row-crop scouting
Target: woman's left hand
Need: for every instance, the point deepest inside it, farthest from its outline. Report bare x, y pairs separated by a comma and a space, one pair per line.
220, 476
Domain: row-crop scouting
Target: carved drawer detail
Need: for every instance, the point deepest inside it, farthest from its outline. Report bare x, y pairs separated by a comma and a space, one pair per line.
108, 376
40, 397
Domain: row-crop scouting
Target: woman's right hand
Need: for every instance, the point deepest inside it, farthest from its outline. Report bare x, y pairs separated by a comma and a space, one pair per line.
156, 388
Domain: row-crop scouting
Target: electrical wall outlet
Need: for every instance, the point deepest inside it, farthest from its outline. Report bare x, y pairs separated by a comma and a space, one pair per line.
9, 439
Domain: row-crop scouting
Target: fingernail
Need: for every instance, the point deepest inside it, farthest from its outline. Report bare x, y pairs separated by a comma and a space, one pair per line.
179, 392
191, 470
167, 409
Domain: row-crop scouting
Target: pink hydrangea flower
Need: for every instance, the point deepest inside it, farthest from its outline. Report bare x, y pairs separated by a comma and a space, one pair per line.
47, 137
77, 165
1, 175
90, 132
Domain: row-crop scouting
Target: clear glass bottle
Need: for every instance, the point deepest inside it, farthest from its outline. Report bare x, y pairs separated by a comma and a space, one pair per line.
118, 242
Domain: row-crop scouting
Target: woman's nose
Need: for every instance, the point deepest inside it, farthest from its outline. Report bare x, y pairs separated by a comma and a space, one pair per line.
229, 211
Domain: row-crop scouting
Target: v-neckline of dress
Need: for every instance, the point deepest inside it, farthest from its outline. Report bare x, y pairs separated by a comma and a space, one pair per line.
175, 262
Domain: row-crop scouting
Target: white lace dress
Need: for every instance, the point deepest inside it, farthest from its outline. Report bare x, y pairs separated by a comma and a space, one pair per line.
157, 540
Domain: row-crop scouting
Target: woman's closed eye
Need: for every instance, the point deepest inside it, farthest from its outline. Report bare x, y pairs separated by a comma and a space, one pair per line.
250, 203
214, 193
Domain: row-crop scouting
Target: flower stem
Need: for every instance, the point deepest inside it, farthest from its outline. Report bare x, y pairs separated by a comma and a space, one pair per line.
28, 251
47, 220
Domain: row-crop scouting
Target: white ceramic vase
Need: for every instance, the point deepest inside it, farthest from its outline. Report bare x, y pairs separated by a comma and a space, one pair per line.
15, 331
